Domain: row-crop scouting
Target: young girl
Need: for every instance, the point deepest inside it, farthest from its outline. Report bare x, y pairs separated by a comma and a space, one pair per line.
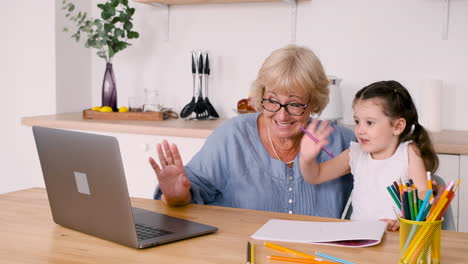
391, 145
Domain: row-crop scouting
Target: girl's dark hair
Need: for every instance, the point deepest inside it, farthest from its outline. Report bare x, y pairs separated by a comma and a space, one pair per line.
397, 103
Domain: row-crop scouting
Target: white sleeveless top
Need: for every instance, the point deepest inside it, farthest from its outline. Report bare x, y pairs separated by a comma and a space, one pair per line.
370, 198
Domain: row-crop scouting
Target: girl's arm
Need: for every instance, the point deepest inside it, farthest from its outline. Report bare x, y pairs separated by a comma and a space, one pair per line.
315, 173
417, 170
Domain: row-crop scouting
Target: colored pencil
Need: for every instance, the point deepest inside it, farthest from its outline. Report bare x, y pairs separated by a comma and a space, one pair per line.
280, 248
395, 184
316, 141
410, 204
298, 260
405, 205
423, 206
393, 197
249, 256
395, 191
333, 258
252, 254
429, 181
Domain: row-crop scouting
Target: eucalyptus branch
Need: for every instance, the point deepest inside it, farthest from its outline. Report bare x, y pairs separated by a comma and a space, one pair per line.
110, 33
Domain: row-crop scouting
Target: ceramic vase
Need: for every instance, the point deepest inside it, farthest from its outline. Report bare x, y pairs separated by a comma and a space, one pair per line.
109, 88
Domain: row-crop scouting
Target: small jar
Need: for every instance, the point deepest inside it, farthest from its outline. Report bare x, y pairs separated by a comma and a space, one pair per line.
151, 102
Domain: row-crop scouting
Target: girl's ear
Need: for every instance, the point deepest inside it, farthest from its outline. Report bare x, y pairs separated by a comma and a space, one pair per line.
398, 126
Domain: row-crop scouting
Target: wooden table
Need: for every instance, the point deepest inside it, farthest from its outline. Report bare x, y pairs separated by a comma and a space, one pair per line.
29, 235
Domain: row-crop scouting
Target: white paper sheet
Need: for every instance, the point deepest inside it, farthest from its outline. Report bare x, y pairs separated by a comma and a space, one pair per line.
347, 234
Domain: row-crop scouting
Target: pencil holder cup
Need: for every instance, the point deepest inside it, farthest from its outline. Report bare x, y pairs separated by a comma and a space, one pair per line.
420, 242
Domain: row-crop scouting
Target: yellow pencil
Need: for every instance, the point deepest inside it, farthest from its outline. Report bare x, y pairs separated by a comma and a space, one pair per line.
456, 186
252, 254
280, 248
444, 194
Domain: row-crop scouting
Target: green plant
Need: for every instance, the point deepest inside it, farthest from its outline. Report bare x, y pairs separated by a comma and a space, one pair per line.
108, 34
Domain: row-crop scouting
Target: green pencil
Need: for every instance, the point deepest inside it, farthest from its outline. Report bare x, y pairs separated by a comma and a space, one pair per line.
410, 203
389, 189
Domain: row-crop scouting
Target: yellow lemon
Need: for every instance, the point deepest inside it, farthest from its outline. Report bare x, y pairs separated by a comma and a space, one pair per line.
106, 109
123, 109
96, 108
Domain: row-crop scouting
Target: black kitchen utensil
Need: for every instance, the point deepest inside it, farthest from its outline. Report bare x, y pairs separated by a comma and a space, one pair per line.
190, 107
211, 111
200, 110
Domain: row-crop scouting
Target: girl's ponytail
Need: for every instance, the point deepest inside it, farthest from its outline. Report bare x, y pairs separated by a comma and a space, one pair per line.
421, 138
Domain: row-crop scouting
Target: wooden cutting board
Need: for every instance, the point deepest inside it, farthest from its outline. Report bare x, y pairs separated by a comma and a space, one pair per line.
89, 114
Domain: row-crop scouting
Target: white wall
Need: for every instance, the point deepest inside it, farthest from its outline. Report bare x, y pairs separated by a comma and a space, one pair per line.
73, 63
360, 41
27, 74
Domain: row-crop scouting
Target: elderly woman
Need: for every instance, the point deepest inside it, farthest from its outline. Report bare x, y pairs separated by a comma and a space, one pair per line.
252, 161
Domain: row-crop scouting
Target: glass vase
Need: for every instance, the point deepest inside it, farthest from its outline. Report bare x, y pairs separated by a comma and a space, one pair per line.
109, 88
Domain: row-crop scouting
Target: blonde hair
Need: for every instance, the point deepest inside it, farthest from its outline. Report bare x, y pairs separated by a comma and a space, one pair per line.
292, 69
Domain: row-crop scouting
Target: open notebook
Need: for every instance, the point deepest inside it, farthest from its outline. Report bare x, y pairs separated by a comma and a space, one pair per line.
346, 234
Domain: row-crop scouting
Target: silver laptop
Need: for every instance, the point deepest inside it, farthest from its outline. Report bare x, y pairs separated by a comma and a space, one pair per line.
87, 190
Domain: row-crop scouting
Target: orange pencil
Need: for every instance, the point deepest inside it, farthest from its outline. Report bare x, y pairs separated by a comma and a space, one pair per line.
280, 248
444, 195
400, 188
450, 198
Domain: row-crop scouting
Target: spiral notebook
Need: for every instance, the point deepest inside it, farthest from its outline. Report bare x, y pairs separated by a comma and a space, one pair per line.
345, 234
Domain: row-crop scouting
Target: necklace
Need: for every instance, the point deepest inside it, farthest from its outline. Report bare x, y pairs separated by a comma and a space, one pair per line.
274, 150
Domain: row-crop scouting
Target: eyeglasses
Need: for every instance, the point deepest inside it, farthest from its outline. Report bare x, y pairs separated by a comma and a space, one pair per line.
294, 109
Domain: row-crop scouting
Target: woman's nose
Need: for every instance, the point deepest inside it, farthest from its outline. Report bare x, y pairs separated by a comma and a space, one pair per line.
283, 113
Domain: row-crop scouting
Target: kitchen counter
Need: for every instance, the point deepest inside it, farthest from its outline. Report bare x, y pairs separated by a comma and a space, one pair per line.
450, 141
445, 142
171, 127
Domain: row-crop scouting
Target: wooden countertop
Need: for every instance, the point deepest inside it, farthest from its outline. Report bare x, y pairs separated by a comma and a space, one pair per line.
445, 142
450, 142
29, 235
171, 127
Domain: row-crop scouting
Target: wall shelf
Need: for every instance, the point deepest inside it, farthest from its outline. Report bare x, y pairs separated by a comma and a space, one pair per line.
165, 5
196, 2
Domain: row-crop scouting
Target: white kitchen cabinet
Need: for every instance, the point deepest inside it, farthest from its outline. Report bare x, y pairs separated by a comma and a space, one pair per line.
449, 169
463, 195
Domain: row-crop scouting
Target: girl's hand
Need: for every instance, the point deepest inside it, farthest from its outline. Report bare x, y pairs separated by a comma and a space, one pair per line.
172, 177
392, 224
310, 148
438, 190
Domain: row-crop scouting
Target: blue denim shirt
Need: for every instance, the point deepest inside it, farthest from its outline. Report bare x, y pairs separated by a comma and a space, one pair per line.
234, 169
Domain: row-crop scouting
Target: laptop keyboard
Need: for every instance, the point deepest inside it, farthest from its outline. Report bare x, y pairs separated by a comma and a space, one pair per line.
147, 232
